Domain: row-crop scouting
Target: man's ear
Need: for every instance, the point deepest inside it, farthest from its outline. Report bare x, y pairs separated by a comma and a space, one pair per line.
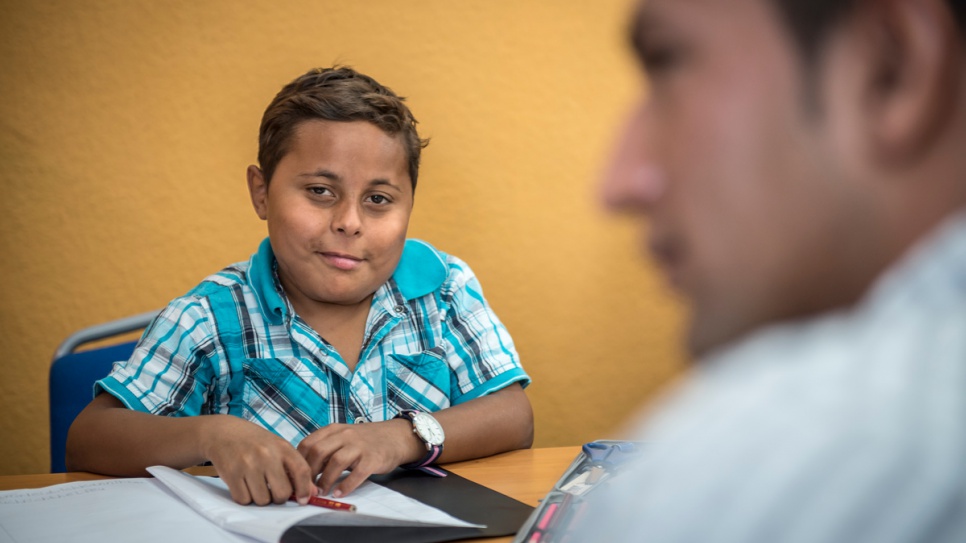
913, 74
258, 190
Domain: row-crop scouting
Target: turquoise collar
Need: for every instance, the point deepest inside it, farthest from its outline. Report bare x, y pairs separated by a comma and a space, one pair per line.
421, 270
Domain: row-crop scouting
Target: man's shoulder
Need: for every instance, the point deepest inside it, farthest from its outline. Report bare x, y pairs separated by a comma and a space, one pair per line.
910, 317
768, 430
848, 352
906, 313
836, 385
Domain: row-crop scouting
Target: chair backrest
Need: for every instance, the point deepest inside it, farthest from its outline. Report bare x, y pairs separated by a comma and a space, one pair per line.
72, 376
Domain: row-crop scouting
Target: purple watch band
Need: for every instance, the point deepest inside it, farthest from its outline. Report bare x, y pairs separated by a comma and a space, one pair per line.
424, 464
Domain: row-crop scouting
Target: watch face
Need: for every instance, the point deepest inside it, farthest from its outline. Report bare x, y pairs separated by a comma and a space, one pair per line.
428, 429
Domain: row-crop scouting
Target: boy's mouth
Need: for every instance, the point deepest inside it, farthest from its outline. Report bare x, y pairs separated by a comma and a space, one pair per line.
341, 261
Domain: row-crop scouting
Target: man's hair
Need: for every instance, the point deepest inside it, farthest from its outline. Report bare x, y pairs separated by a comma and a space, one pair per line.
810, 21
338, 94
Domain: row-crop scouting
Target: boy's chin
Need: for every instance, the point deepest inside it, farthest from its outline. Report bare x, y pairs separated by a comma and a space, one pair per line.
346, 299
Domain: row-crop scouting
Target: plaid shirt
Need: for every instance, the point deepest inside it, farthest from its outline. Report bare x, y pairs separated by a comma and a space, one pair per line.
235, 345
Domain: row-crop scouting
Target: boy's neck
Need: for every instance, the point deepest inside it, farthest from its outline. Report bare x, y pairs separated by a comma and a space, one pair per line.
342, 326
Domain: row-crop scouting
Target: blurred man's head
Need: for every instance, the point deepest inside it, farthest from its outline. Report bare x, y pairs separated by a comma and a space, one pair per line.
810, 21
787, 152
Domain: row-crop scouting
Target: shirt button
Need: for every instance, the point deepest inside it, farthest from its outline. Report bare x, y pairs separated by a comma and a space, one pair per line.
400, 310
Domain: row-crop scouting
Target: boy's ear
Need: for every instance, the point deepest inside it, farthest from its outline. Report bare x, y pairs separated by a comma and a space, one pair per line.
258, 190
914, 75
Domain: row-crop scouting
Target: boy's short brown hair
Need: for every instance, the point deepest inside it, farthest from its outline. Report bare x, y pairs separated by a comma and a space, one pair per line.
338, 94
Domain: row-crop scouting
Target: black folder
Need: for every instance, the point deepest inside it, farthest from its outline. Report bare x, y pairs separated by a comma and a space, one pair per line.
453, 494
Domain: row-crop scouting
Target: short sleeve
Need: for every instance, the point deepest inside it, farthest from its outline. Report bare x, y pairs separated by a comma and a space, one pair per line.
171, 371
479, 349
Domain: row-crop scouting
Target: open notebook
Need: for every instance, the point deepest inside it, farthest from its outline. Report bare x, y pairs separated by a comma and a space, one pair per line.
175, 506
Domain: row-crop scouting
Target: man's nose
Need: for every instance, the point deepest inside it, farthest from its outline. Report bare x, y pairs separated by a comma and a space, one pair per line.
633, 182
347, 218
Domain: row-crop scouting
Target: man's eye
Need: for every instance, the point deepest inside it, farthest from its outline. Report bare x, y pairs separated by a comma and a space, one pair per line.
658, 60
319, 191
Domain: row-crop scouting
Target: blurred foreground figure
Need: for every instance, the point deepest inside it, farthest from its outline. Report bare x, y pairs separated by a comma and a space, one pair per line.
801, 166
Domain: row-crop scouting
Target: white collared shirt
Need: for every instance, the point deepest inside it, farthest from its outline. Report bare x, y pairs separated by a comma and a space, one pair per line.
849, 427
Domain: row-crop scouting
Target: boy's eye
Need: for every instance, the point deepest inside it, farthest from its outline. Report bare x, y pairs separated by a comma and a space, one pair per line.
319, 191
378, 199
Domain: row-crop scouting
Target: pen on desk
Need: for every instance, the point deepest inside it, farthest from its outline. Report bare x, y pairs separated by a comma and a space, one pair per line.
329, 504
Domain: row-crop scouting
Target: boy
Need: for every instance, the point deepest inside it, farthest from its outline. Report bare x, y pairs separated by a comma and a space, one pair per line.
336, 320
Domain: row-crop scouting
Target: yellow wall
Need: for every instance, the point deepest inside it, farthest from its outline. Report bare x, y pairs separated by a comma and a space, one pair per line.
126, 128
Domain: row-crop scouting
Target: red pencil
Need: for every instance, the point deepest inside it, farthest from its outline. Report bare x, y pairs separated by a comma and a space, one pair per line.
330, 504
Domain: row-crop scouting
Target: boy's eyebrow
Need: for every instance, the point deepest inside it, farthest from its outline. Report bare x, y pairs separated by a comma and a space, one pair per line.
384, 183
322, 173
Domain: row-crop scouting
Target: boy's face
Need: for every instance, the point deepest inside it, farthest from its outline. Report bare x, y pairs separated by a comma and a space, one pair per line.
337, 208
749, 213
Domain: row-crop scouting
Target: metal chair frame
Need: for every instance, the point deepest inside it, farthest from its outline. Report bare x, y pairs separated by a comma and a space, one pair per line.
72, 375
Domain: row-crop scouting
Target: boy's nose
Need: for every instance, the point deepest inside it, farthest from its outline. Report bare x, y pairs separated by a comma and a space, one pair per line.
347, 219
633, 182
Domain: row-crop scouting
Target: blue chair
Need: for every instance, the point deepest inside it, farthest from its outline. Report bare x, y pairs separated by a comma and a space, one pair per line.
72, 376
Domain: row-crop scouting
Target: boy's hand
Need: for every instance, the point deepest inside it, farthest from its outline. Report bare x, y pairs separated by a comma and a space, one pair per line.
364, 449
257, 465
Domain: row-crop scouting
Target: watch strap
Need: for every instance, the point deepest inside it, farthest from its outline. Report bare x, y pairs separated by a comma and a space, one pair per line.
424, 464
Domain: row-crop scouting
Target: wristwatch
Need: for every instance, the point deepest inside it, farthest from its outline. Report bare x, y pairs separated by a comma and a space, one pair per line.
428, 430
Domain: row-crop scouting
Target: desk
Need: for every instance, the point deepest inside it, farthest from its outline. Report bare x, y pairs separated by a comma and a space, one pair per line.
525, 475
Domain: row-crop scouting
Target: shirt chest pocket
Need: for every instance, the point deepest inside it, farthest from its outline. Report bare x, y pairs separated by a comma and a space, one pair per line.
276, 387
420, 380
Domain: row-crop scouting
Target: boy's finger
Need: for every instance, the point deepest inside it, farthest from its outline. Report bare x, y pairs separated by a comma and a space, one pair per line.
258, 489
355, 478
328, 478
278, 483
238, 489
301, 479
315, 454
333, 470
